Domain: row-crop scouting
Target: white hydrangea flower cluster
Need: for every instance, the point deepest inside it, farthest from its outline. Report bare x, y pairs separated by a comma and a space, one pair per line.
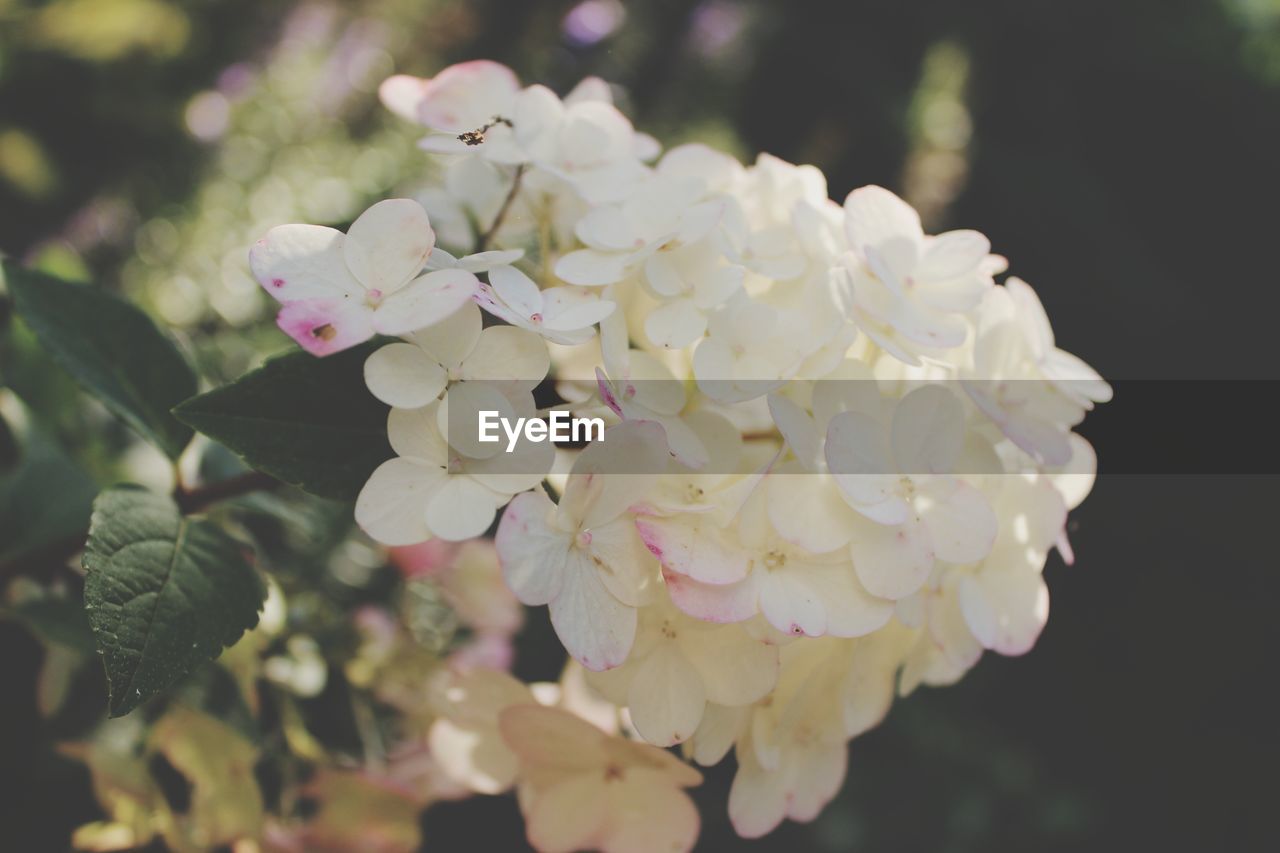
839, 451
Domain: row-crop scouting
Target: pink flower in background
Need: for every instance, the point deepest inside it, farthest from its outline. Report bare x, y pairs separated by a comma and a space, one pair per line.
470, 581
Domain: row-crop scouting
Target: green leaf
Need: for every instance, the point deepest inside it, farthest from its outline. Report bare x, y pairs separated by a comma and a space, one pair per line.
307, 421
45, 498
163, 593
112, 349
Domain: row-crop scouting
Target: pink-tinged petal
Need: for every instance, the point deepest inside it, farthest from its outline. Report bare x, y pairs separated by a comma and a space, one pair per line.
425, 301
465, 96
876, 218
593, 626
392, 506
952, 255
402, 94
517, 290
388, 244
294, 262
533, 555
961, 523
325, 326
698, 550
721, 603
892, 562
487, 298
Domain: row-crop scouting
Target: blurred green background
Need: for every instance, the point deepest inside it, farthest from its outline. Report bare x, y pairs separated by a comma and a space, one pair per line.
1123, 154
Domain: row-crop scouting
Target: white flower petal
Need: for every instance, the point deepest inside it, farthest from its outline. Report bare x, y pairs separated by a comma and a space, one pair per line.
927, 431
392, 506
807, 509
592, 267
461, 509
533, 555
962, 525
388, 244
295, 262
453, 340
425, 301
892, 561
593, 626
675, 325
952, 255
403, 375
413, 432
666, 697
876, 218
736, 668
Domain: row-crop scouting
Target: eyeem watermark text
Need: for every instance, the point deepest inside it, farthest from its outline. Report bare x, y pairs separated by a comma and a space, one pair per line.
559, 426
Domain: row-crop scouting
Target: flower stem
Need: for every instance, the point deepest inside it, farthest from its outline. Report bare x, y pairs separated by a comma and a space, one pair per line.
483, 242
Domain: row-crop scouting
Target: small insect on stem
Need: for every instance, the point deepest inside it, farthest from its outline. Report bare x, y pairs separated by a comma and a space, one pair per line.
475, 137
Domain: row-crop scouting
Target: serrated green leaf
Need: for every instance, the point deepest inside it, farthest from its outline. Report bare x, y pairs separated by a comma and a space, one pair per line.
307, 421
112, 349
163, 592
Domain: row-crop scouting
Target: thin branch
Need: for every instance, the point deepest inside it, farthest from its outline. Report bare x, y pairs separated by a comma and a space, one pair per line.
199, 498
483, 242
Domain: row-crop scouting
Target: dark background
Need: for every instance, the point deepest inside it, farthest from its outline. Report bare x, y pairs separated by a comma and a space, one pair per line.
1123, 155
